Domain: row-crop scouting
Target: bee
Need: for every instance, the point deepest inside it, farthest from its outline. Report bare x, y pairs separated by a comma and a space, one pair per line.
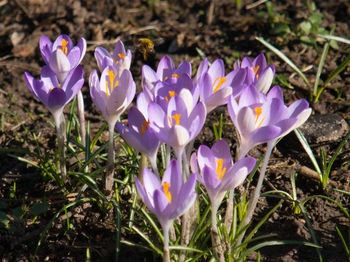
145, 50
145, 47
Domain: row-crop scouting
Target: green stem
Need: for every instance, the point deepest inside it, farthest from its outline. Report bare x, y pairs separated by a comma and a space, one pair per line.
81, 115
110, 161
215, 239
254, 201
143, 164
166, 256
61, 140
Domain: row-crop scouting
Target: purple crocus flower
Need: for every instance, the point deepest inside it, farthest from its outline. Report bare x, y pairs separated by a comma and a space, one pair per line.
215, 88
140, 135
259, 73
165, 91
166, 72
113, 93
180, 123
217, 172
120, 59
260, 118
49, 90
169, 198
61, 55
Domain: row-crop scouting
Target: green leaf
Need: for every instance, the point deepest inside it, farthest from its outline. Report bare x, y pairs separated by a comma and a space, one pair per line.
280, 29
320, 66
307, 39
305, 26
308, 150
334, 44
316, 18
18, 212
4, 220
39, 208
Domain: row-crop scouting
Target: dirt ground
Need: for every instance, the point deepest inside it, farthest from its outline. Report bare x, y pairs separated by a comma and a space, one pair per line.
178, 29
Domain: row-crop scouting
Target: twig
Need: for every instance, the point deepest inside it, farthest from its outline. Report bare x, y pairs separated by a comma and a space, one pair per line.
257, 3
308, 172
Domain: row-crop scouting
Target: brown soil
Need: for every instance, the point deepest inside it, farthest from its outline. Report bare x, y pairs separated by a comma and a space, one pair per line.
177, 28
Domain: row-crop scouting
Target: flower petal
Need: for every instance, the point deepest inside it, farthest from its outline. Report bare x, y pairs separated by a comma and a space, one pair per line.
186, 197
45, 48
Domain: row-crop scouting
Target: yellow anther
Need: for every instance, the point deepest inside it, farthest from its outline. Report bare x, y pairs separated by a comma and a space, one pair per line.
112, 76
255, 69
171, 123
121, 56
219, 170
144, 127
59, 86
165, 78
167, 193
258, 111
221, 81
177, 118
115, 61
107, 91
64, 46
171, 94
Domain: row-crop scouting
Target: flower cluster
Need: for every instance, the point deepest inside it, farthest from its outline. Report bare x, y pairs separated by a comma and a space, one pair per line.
171, 110
61, 77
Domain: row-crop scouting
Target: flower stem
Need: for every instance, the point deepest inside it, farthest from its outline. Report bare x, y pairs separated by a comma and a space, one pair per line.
215, 239
256, 194
110, 160
81, 115
61, 140
166, 256
229, 208
143, 164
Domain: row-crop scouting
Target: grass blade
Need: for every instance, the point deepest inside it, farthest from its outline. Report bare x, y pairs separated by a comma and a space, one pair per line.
336, 153
336, 38
320, 65
308, 150
147, 240
276, 243
336, 72
312, 231
343, 241
284, 58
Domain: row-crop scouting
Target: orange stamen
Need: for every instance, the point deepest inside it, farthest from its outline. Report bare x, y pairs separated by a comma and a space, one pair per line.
258, 111
167, 193
144, 127
255, 69
221, 81
177, 118
64, 46
121, 56
171, 94
112, 76
219, 170
107, 92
